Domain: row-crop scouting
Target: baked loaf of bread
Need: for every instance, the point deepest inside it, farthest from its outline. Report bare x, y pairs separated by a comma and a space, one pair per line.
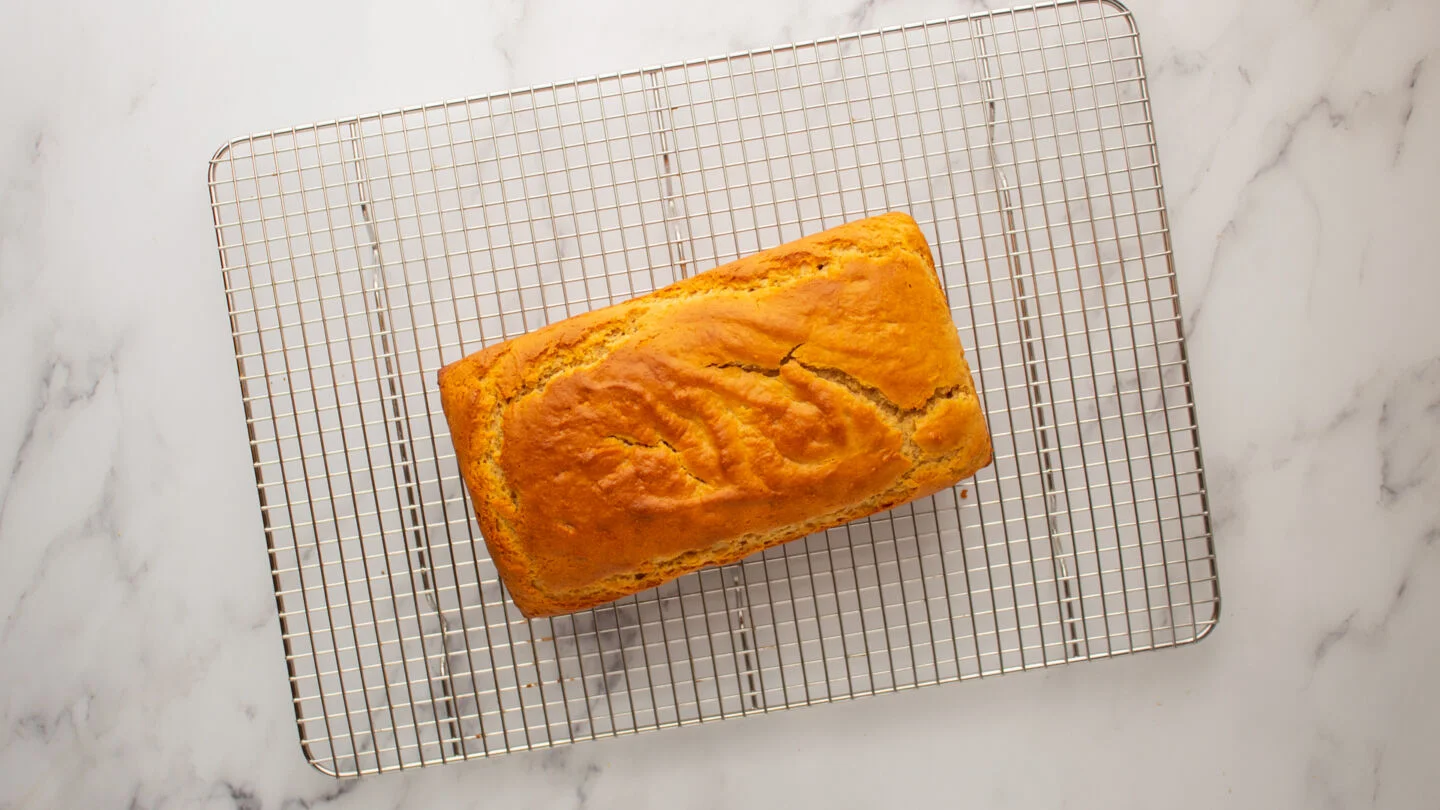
779, 395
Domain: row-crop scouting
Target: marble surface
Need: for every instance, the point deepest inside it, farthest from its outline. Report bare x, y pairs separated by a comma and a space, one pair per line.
139, 659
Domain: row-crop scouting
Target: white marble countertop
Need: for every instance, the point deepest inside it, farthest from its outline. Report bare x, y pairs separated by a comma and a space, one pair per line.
139, 658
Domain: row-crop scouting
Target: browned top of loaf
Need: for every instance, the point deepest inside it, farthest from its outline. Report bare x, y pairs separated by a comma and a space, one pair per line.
605, 449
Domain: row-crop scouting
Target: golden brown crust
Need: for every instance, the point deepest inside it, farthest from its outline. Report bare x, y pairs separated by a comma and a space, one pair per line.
779, 395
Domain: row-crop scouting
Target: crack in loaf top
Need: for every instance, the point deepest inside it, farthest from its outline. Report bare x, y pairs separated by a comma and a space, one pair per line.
752, 397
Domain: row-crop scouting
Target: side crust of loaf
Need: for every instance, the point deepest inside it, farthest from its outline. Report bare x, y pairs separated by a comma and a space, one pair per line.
782, 394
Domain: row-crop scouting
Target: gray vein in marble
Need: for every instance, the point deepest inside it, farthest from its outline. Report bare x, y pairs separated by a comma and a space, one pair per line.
68, 386
507, 37
586, 786
1180, 63
1333, 637
1321, 109
342, 788
1371, 632
21, 194
1231, 229
55, 384
1409, 468
243, 796
140, 96
1406, 465
42, 727
860, 16
1409, 111
1317, 219
1375, 776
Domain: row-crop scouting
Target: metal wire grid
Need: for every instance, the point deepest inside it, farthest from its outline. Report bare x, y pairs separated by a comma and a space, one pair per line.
361, 255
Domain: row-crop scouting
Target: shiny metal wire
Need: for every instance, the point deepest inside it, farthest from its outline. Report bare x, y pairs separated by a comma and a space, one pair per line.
361, 255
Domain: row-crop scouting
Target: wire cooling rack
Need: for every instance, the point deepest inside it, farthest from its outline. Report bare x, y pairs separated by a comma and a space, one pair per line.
361, 255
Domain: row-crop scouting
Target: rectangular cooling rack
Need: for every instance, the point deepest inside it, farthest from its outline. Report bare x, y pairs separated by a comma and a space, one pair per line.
361, 255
